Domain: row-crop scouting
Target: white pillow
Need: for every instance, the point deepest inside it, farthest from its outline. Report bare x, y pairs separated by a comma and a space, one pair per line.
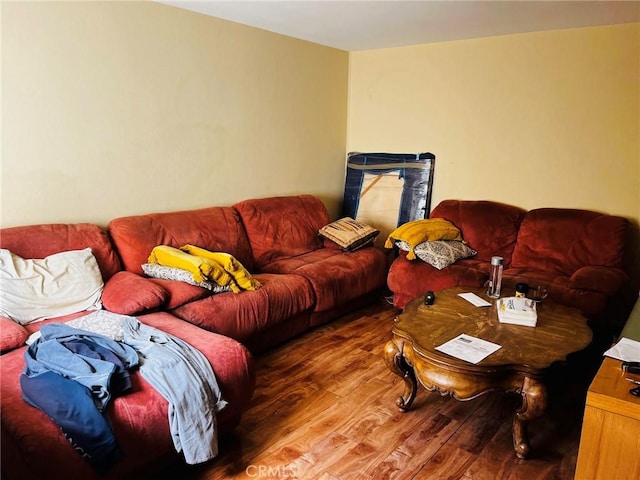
36, 289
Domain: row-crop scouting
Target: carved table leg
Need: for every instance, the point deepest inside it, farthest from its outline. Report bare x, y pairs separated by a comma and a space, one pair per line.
534, 402
397, 364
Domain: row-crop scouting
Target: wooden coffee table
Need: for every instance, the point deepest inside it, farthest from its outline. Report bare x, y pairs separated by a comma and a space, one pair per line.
517, 367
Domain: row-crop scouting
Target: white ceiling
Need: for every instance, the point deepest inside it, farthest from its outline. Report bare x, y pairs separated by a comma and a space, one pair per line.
370, 24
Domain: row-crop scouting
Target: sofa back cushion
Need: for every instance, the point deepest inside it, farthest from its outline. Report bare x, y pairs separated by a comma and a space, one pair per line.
282, 226
490, 228
40, 241
561, 240
217, 229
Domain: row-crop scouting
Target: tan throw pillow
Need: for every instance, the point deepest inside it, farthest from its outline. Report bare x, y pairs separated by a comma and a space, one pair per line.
349, 234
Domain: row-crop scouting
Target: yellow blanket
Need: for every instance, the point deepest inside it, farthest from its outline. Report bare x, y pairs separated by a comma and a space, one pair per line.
230, 264
200, 268
418, 231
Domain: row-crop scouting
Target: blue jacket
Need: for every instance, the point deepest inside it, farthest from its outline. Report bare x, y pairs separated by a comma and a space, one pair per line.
59, 350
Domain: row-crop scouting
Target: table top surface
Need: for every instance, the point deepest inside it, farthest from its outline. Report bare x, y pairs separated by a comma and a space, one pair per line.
560, 330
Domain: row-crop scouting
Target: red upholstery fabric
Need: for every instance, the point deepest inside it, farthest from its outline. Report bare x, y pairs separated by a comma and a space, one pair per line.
246, 314
408, 279
559, 288
128, 294
598, 279
282, 226
12, 334
490, 228
34, 448
337, 277
179, 293
561, 241
40, 241
217, 229
576, 254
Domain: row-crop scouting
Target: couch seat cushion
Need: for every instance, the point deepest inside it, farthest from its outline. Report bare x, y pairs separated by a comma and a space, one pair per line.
243, 315
409, 279
12, 334
337, 277
128, 294
559, 288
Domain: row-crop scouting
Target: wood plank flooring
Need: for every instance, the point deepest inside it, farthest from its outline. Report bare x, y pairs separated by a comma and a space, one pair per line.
324, 409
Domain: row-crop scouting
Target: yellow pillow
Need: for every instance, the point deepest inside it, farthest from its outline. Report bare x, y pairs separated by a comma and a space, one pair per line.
231, 265
201, 269
419, 231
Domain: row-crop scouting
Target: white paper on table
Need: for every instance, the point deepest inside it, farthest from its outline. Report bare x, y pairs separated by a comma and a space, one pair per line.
626, 350
470, 349
475, 299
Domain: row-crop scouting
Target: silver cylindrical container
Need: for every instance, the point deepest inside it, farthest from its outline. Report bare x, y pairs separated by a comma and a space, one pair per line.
495, 277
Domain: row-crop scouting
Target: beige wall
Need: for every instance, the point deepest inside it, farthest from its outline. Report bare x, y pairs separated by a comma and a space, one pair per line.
117, 108
540, 119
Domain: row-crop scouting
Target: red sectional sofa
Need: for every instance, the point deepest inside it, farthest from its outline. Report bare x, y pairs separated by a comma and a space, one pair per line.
305, 282
576, 254
33, 446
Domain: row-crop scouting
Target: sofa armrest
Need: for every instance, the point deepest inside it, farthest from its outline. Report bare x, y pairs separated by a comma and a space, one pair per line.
12, 334
128, 293
606, 280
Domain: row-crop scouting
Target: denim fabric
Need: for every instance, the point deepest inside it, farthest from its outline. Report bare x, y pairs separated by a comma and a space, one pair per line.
50, 354
70, 405
184, 377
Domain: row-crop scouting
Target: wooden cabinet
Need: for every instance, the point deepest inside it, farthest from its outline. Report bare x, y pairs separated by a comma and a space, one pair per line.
610, 441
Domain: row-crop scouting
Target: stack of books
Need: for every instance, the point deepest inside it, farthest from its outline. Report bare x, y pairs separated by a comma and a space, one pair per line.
517, 311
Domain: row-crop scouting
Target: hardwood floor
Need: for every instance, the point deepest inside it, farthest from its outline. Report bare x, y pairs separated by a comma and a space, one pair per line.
324, 408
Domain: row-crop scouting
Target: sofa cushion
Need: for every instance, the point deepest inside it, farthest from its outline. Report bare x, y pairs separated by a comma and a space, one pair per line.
244, 315
409, 279
180, 292
280, 227
559, 289
490, 228
12, 334
217, 229
605, 280
128, 294
561, 240
337, 277
45, 240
